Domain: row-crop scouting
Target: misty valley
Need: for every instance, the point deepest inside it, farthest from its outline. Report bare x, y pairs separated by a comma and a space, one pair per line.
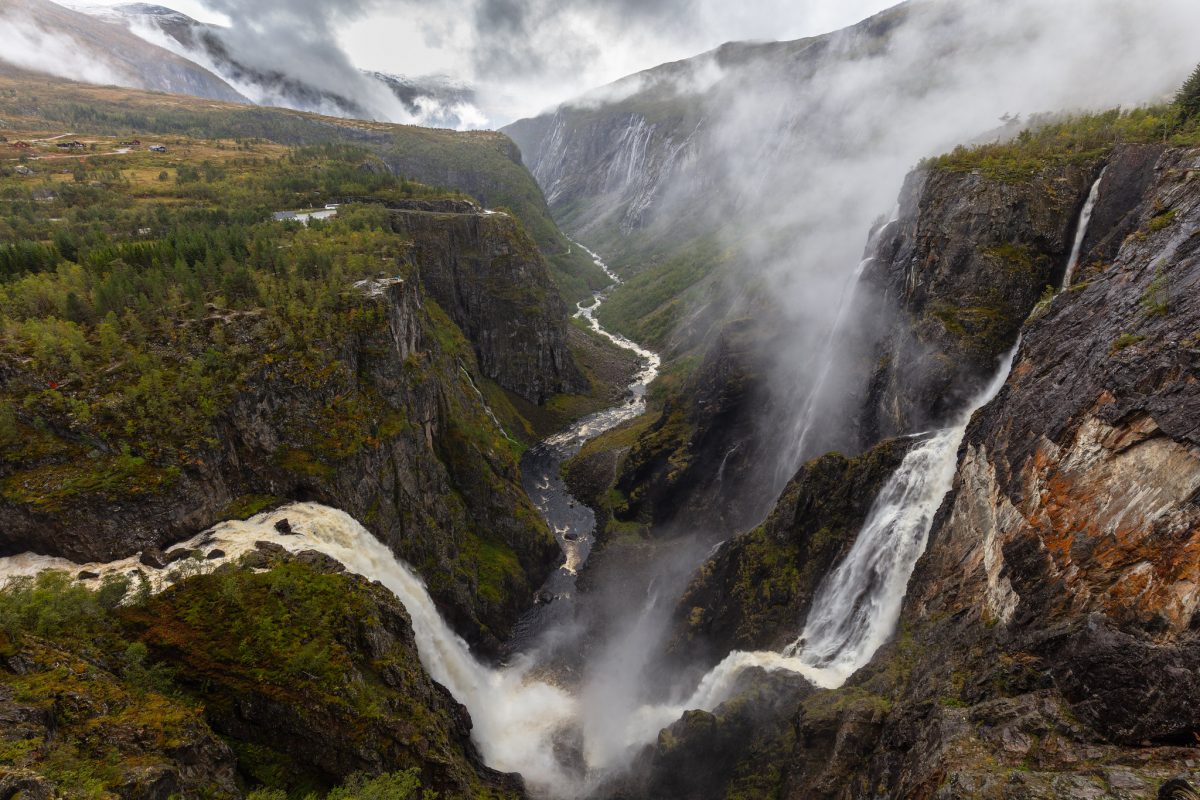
599, 401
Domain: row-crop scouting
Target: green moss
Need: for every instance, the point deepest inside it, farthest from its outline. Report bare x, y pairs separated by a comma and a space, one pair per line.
249, 505
1162, 220
495, 565
302, 462
1126, 340
1050, 143
48, 488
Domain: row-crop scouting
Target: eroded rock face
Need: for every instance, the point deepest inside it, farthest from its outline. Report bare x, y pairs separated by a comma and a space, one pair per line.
756, 592
1048, 645
696, 467
1056, 602
958, 273
488, 276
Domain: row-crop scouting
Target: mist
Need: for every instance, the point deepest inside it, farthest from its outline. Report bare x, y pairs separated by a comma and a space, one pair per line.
29, 46
796, 163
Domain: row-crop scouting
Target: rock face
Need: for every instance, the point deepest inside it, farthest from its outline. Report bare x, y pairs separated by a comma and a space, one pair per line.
294, 679
389, 429
487, 274
366, 706
50, 697
690, 467
1048, 643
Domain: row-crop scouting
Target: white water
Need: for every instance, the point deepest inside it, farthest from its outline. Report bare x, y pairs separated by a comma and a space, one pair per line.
516, 718
519, 719
1085, 221
651, 363
858, 605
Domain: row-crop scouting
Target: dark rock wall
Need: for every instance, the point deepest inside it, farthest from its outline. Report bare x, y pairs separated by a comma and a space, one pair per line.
1048, 643
488, 275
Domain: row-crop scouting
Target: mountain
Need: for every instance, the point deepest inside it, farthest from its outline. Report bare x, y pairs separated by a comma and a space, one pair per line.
48, 37
433, 101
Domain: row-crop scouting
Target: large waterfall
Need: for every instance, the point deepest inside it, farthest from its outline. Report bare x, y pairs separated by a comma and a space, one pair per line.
858, 605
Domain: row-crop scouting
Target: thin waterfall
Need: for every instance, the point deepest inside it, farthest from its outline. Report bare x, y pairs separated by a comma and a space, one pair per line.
1081, 231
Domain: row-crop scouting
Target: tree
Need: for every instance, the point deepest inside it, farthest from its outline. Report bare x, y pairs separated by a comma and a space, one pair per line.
1188, 98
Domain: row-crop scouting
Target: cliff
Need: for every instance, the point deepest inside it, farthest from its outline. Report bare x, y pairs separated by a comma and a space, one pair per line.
487, 274
1047, 645
373, 410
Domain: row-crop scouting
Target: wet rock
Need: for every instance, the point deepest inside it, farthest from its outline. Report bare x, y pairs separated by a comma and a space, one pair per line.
87, 575
271, 549
1180, 788
320, 561
214, 555
755, 593
154, 558
179, 554
21, 784
284, 527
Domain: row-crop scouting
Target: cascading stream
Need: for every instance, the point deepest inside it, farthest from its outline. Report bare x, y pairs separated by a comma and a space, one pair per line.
519, 721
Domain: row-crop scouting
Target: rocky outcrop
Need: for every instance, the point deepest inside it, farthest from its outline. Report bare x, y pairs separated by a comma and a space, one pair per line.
69, 727
735, 751
280, 672
958, 273
387, 428
362, 703
695, 465
754, 594
488, 275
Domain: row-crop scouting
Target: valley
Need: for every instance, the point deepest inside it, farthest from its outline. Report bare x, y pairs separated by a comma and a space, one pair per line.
707, 436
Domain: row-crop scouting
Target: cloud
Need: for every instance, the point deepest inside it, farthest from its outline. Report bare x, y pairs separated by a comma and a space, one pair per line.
31, 47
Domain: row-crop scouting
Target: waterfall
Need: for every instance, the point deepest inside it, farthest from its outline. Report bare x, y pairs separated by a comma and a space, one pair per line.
516, 718
791, 458
1085, 221
858, 605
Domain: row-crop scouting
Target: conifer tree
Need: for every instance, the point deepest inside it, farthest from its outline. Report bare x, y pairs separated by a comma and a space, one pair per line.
1188, 98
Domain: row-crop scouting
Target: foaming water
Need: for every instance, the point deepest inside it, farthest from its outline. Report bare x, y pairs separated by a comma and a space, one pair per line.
516, 718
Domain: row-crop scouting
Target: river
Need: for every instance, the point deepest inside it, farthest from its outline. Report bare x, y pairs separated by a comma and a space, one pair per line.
573, 523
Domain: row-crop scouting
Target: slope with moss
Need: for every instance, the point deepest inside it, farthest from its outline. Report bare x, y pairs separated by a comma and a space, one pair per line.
284, 683
482, 164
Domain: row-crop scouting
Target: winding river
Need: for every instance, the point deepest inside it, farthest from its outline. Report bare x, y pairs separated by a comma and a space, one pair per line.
573, 523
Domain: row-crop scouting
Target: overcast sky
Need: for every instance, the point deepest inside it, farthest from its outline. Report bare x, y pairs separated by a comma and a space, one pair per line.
528, 55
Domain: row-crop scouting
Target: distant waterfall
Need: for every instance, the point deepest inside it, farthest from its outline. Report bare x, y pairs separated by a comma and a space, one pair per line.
858, 605
1085, 222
